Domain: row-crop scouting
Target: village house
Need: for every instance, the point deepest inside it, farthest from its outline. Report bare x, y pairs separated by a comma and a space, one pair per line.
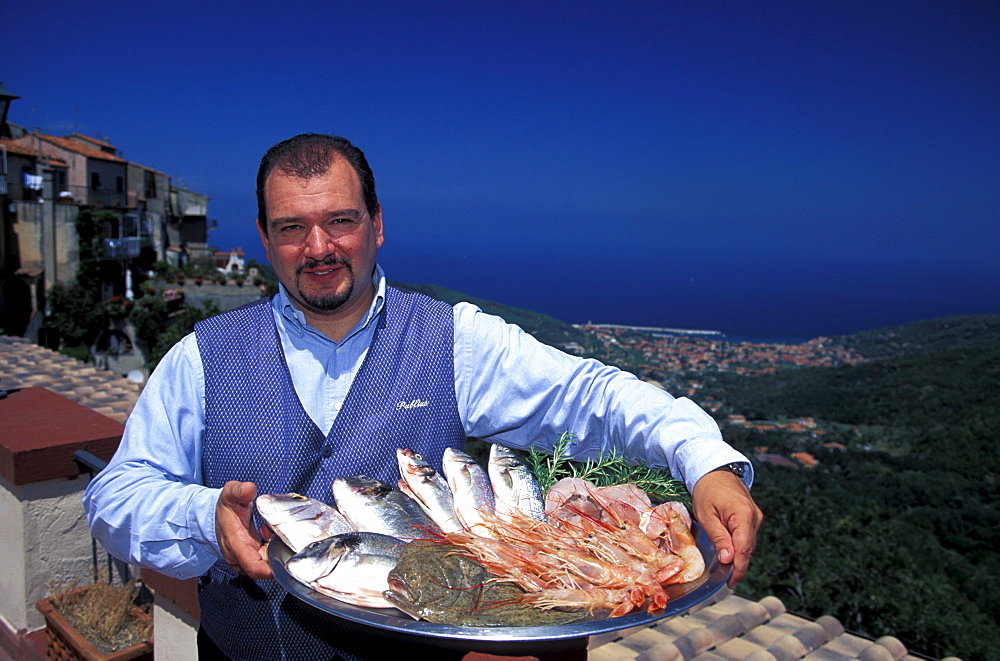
44, 182
230, 263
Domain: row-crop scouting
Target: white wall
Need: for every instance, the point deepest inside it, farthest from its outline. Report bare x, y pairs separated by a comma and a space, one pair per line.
46, 546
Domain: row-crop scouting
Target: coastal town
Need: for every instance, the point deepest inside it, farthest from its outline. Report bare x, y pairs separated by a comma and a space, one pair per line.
671, 353
683, 362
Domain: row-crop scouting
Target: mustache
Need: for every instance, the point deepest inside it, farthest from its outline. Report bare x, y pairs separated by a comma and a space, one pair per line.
328, 261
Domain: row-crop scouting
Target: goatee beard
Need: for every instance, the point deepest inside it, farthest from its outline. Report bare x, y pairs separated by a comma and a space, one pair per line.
327, 301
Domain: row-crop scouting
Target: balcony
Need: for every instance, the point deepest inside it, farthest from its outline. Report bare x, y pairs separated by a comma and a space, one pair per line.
125, 248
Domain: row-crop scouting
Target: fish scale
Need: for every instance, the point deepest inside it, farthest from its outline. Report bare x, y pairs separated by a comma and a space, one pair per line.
514, 486
374, 506
352, 567
428, 488
471, 488
299, 520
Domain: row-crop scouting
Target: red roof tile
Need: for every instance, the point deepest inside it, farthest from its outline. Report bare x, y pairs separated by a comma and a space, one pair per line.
73, 146
24, 150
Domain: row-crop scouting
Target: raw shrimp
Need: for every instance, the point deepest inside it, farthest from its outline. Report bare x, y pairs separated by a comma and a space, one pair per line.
620, 601
669, 523
600, 549
538, 556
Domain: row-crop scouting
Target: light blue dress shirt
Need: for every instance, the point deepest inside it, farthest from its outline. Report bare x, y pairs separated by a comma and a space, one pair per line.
148, 506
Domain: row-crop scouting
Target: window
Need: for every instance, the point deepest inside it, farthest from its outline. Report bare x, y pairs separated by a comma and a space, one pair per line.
150, 185
119, 184
95, 181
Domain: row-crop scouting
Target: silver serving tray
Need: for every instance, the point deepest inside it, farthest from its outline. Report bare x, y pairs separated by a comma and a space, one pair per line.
396, 623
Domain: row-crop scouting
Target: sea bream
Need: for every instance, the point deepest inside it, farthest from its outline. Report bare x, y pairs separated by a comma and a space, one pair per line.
374, 506
299, 520
514, 486
471, 488
352, 567
428, 488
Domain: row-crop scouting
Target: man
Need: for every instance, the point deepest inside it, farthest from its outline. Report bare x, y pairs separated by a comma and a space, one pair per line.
327, 379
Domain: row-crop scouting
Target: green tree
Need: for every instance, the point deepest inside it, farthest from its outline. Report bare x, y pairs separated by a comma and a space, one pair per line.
180, 325
77, 312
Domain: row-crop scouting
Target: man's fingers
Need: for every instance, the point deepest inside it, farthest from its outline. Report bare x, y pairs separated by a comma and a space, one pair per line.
238, 494
744, 529
721, 540
239, 546
726, 511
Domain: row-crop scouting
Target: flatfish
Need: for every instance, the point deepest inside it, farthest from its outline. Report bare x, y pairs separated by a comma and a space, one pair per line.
437, 582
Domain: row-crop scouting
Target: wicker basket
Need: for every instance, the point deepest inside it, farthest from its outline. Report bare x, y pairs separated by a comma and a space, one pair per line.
65, 643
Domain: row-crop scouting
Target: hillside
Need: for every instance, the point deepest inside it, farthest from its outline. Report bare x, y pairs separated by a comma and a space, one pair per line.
896, 529
546, 329
923, 336
930, 388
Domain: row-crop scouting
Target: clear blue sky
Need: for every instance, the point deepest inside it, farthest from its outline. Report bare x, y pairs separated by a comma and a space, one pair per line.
701, 164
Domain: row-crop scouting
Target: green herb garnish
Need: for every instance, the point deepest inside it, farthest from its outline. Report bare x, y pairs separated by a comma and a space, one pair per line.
605, 471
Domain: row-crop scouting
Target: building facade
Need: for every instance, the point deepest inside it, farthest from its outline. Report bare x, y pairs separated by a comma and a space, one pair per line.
45, 180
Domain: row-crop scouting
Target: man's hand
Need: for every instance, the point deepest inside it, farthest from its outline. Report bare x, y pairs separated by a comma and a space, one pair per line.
725, 510
233, 528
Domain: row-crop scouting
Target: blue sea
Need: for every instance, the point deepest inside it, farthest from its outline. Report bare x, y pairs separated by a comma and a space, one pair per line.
755, 300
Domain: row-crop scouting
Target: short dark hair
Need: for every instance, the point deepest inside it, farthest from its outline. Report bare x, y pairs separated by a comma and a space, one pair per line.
309, 155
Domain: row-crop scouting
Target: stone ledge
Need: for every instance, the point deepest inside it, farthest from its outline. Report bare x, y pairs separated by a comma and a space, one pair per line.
42, 430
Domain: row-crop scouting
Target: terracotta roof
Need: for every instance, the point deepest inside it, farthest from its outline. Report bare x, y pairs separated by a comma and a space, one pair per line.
730, 627
23, 364
24, 150
93, 141
74, 146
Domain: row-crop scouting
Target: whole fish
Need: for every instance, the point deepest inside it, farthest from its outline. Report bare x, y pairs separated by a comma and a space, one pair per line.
470, 485
374, 506
514, 486
428, 488
299, 520
439, 583
352, 567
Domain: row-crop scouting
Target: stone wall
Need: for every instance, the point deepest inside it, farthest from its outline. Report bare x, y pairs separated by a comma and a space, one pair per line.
226, 296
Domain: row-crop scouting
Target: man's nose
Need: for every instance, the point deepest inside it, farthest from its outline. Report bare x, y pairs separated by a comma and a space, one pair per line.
319, 244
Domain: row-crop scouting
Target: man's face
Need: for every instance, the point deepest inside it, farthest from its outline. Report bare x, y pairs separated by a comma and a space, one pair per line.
320, 240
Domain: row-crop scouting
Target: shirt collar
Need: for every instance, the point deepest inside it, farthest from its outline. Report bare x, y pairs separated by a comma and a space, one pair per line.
294, 316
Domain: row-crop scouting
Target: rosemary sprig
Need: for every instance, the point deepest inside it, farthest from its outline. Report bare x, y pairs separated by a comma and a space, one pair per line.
604, 471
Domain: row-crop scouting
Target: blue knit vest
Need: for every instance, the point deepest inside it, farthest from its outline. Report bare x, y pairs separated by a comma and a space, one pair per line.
256, 430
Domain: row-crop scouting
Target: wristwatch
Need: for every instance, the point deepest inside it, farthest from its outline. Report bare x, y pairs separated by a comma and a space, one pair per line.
737, 468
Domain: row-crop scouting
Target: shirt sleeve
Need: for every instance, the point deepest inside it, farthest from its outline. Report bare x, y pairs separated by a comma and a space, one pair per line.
513, 389
148, 506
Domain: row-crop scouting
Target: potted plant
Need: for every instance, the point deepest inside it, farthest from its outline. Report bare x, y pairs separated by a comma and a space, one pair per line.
98, 622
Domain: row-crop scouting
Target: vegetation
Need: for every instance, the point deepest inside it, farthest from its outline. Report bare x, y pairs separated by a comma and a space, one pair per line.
923, 336
896, 530
77, 311
107, 615
604, 471
160, 323
80, 312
